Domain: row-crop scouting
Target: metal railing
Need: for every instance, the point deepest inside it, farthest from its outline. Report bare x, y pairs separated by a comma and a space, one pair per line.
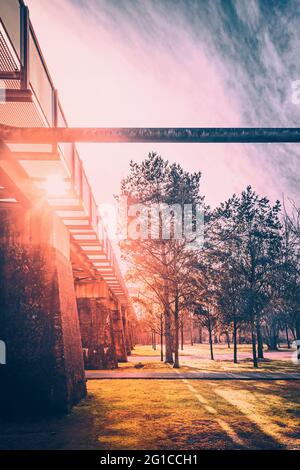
36, 78
40, 80
10, 14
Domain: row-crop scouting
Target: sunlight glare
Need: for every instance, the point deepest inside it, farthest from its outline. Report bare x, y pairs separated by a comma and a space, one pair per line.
55, 186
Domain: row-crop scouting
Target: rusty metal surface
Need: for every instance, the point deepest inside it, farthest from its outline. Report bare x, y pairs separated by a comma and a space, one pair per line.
143, 134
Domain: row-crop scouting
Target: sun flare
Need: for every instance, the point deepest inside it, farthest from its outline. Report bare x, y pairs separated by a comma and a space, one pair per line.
55, 186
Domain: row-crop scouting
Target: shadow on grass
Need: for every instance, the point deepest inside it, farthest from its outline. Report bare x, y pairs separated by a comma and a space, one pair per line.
139, 414
73, 431
268, 420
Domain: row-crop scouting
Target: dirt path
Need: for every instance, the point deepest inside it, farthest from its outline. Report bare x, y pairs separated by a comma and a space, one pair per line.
144, 374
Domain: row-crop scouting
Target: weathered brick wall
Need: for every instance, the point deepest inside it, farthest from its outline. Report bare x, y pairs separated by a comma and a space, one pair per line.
97, 334
38, 322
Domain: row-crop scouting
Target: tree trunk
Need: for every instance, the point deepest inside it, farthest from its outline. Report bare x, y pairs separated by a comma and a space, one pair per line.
287, 337
154, 341
200, 334
168, 339
272, 338
181, 331
210, 341
228, 339
260, 346
273, 343
191, 330
161, 338
235, 342
176, 324
168, 334
298, 326
253, 339
293, 331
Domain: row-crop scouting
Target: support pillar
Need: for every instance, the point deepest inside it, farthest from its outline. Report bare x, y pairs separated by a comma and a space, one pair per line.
97, 333
39, 324
120, 340
126, 330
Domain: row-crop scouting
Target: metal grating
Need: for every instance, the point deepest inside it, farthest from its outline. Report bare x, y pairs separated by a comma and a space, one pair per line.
12, 84
7, 63
20, 114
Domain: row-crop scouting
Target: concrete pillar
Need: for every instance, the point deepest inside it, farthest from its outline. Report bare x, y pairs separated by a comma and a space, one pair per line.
39, 324
126, 330
131, 335
120, 339
97, 334
132, 328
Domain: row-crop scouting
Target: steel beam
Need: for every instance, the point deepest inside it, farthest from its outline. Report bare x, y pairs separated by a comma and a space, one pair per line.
151, 134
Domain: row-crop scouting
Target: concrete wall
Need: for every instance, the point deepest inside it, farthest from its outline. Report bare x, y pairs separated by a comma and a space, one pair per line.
97, 334
38, 317
98, 308
119, 335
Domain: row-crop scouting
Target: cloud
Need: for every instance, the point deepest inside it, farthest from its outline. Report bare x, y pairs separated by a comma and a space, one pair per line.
184, 63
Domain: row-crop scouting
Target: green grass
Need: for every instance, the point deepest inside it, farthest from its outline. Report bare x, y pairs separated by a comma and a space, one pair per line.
205, 364
174, 414
147, 350
148, 366
170, 414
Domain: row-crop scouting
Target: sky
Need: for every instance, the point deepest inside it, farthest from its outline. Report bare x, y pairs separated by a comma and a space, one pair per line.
178, 63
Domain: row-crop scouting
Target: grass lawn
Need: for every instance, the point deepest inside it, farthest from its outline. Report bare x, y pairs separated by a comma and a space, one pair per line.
203, 349
170, 414
196, 358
